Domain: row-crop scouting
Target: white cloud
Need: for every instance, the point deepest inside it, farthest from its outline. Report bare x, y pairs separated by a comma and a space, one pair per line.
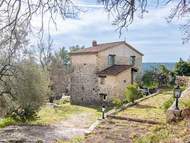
96, 16
151, 34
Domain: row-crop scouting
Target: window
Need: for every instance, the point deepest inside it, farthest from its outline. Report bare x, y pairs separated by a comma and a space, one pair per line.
102, 80
132, 60
111, 59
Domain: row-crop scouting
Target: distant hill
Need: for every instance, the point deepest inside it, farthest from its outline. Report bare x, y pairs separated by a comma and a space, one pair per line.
149, 66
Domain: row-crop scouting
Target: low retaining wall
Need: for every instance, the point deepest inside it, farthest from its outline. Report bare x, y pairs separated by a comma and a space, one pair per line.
134, 119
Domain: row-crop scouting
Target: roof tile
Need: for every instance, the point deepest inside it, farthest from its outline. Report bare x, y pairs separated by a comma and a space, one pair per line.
101, 47
114, 70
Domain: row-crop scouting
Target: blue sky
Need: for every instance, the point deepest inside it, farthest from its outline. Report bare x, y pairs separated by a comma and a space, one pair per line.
158, 40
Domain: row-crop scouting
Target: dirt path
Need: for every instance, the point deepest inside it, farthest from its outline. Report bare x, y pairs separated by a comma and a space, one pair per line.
75, 125
117, 131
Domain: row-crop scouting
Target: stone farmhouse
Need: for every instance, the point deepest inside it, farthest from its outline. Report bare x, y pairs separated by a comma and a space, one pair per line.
103, 68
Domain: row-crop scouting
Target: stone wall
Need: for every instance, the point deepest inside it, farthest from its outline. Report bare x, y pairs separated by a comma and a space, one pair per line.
123, 79
183, 80
84, 89
109, 87
84, 81
115, 86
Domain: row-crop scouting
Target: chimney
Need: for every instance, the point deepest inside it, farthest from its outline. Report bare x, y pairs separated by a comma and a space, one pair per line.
94, 43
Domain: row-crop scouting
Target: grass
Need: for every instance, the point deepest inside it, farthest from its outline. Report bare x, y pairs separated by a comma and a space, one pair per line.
77, 139
168, 133
7, 122
154, 109
151, 108
50, 115
168, 103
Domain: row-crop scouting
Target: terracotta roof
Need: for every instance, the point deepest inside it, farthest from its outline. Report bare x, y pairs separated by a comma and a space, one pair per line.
101, 47
114, 70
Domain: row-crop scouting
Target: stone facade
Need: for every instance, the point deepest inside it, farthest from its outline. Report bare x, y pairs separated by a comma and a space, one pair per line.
85, 82
122, 53
114, 86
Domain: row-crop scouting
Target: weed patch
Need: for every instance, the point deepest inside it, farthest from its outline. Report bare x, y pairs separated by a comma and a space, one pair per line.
7, 122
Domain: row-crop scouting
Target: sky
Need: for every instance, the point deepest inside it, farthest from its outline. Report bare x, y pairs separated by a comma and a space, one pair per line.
152, 35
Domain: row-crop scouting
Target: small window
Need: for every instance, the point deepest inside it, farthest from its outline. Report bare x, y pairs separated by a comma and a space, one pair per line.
132, 60
111, 59
102, 80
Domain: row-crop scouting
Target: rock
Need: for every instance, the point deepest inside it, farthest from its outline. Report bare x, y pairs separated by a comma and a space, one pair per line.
173, 115
185, 113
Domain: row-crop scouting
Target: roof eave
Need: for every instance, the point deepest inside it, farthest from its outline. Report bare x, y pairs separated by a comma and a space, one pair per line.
134, 49
82, 53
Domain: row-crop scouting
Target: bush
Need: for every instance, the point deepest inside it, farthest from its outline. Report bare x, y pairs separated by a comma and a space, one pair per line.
150, 79
158, 77
182, 68
30, 88
117, 102
168, 103
131, 93
6, 122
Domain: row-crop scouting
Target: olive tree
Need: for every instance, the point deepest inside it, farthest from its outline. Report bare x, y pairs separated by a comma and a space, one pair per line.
16, 29
29, 89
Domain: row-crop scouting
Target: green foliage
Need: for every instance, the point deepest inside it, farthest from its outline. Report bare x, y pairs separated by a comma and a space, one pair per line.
158, 77
6, 122
168, 103
75, 48
164, 70
23, 114
182, 68
138, 79
117, 102
172, 78
61, 57
30, 91
131, 93
150, 79
78, 139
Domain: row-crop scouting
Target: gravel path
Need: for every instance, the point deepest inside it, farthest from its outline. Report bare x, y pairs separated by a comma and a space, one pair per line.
46, 134
74, 126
